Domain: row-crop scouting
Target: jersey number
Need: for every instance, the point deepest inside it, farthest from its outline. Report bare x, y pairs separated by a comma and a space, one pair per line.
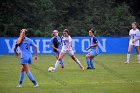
133, 37
64, 43
26, 46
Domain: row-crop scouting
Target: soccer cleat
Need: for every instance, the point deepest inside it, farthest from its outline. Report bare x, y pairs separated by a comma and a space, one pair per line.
93, 68
127, 62
62, 68
19, 86
82, 67
88, 68
36, 85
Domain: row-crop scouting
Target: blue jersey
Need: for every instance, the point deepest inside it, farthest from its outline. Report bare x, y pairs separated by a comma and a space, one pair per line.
25, 47
56, 41
93, 40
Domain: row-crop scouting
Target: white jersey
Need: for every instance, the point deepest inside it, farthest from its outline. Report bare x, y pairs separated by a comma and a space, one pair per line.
133, 35
66, 41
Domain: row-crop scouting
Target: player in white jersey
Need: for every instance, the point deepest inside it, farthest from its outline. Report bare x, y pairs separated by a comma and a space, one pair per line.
134, 41
67, 48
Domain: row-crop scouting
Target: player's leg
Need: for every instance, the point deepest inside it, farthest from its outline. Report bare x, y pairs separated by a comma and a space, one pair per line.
92, 63
61, 55
22, 62
21, 77
129, 52
27, 70
29, 74
137, 51
71, 53
92, 55
77, 61
88, 60
61, 62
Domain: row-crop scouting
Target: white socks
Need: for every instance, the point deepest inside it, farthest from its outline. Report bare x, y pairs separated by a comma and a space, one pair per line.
128, 57
78, 62
138, 57
56, 64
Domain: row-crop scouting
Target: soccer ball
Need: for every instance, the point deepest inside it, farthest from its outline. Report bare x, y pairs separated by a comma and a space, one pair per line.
51, 69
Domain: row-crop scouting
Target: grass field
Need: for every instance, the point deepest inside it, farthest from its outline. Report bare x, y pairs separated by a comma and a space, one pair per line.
110, 76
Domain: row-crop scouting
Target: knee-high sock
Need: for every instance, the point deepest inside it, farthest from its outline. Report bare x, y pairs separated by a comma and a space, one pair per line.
88, 62
62, 63
21, 77
128, 57
138, 57
92, 64
31, 77
78, 62
56, 64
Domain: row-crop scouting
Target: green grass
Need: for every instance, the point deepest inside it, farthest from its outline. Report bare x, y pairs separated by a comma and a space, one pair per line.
110, 76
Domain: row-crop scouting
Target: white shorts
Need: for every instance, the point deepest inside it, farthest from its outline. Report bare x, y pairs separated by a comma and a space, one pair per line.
134, 44
70, 52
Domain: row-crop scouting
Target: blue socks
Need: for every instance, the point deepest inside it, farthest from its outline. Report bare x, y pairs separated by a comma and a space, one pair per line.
62, 63
88, 62
30, 76
21, 77
92, 64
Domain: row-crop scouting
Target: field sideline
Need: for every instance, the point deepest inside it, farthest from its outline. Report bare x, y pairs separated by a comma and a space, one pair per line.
110, 76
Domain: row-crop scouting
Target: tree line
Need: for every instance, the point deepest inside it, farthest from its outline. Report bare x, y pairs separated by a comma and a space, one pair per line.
40, 17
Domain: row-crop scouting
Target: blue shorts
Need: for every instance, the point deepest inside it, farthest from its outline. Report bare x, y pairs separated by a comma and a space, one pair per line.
93, 53
56, 54
26, 60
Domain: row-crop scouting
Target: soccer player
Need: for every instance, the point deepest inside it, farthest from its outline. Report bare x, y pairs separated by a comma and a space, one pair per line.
134, 41
24, 44
56, 45
67, 48
93, 47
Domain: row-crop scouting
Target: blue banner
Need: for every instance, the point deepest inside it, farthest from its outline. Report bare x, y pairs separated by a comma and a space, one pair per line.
107, 45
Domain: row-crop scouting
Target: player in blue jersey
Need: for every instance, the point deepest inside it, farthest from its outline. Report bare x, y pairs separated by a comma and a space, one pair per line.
24, 44
93, 47
56, 44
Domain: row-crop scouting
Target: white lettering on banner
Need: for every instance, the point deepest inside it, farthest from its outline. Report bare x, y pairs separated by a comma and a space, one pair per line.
37, 43
103, 46
83, 45
46, 46
73, 44
10, 48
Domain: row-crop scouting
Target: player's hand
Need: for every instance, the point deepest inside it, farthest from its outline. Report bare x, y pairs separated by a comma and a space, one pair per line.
36, 58
133, 41
57, 50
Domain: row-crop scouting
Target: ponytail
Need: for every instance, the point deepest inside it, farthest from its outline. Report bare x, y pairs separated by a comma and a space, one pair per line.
52, 35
